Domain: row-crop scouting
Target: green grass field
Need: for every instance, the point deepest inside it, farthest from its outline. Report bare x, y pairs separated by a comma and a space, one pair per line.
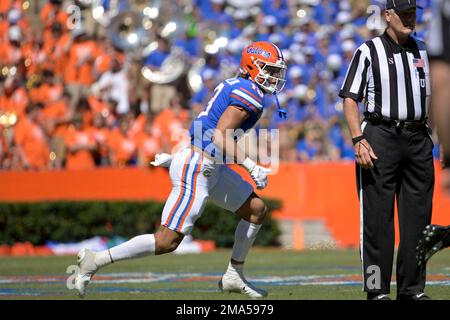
310, 274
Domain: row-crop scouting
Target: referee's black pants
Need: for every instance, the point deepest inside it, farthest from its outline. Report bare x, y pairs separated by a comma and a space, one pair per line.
404, 170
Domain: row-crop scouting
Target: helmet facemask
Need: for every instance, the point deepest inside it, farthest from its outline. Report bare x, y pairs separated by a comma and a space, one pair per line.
272, 76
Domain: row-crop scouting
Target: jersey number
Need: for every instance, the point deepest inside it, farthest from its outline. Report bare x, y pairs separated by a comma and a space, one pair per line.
217, 90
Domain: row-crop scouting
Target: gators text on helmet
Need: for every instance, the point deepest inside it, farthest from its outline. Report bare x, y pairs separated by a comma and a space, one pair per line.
264, 64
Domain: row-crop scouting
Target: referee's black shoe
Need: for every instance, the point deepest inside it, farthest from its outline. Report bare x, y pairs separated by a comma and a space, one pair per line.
377, 296
431, 242
417, 296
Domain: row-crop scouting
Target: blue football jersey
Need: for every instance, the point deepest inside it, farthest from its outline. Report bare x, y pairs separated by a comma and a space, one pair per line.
231, 92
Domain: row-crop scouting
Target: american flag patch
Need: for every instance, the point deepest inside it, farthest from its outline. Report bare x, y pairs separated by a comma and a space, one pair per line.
418, 63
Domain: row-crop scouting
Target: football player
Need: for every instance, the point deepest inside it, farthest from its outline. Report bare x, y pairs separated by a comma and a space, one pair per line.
434, 238
198, 173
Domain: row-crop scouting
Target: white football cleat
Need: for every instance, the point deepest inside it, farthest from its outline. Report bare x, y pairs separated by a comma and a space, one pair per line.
233, 282
86, 263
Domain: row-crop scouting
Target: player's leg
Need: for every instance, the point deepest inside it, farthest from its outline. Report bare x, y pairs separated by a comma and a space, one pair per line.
414, 211
236, 195
184, 205
162, 241
252, 214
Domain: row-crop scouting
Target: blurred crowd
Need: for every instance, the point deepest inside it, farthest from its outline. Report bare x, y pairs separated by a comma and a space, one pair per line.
79, 85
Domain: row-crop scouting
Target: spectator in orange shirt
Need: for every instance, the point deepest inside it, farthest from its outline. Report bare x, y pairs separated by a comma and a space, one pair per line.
9, 19
52, 12
148, 143
56, 119
80, 146
32, 150
11, 51
98, 103
58, 48
46, 90
17, 18
106, 54
56, 115
6, 143
84, 108
4, 27
79, 74
7, 5
35, 56
101, 134
3, 154
137, 126
34, 92
111, 116
122, 148
172, 121
49, 89
51, 37
14, 98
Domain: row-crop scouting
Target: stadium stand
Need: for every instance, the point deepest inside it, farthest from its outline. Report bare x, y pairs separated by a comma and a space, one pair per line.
74, 94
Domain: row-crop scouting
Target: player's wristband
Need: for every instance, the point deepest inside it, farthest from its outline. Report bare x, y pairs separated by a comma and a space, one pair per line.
248, 164
357, 139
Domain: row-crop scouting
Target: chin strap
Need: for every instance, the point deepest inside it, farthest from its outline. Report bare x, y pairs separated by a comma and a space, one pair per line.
282, 113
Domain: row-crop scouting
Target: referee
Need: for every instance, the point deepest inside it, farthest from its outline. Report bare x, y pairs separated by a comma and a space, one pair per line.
393, 151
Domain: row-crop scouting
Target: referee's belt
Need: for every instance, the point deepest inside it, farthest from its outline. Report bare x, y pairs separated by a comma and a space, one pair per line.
410, 125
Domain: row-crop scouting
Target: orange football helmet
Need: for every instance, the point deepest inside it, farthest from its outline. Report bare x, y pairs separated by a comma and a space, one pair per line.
264, 64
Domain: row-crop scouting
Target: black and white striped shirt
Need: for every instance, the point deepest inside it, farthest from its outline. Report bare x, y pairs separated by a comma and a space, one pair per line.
393, 79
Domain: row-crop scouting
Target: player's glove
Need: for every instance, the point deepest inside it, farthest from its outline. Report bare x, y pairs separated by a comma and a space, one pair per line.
258, 173
162, 159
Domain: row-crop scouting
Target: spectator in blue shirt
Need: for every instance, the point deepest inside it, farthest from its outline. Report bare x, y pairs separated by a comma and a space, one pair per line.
201, 98
310, 147
217, 13
325, 11
277, 8
240, 20
156, 58
190, 43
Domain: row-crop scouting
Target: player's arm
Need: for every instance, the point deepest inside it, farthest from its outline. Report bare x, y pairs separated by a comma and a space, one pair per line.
231, 119
352, 91
363, 151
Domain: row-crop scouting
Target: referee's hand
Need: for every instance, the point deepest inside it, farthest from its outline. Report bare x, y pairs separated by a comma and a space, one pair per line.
364, 154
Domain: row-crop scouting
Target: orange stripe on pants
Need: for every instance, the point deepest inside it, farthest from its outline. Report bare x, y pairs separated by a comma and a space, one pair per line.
183, 183
193, 194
